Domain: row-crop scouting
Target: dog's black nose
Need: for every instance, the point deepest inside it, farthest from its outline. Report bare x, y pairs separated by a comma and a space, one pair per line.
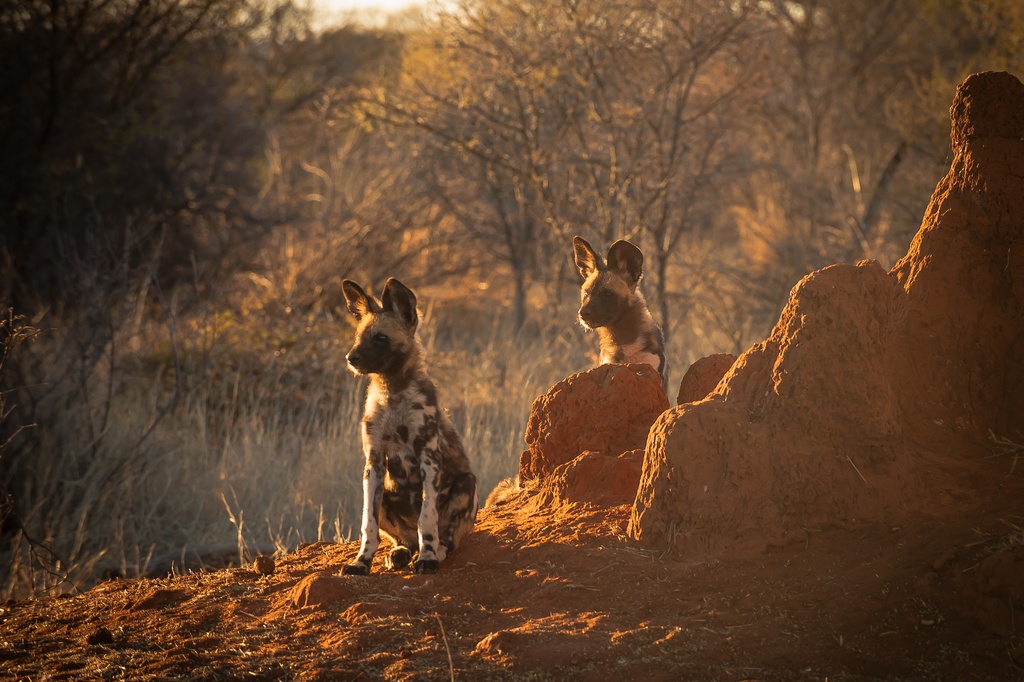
353, 358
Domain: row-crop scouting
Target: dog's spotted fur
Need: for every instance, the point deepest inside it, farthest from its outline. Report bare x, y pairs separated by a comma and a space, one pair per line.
611, 302
418, 488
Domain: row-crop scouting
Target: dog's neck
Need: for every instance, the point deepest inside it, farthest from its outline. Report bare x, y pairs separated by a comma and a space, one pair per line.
626, 329
400, 378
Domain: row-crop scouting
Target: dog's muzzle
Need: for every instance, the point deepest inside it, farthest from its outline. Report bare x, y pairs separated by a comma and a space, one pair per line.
355, 360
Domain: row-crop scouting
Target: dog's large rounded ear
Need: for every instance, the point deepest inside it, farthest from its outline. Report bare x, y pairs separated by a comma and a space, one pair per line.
587, 259
359, 303
628, 259
399, 299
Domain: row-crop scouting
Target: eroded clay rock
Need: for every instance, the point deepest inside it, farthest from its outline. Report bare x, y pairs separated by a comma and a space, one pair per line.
606, 410
872, 385
804, 432
703, 376
596, 478
958, 364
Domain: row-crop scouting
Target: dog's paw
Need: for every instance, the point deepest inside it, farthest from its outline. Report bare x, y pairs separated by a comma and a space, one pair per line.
355, 569
398, 558
427, 566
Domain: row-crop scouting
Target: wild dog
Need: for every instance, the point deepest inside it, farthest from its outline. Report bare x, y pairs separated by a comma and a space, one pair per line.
611, 302
418, 488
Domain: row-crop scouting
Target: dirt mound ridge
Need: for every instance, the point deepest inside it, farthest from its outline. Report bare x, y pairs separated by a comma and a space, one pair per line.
874, 389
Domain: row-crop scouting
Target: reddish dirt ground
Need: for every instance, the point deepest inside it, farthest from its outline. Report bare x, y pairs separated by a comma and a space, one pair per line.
847, 504
551, 594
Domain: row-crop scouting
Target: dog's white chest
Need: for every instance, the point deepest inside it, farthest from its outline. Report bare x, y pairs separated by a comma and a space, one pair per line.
633, 352
396, 431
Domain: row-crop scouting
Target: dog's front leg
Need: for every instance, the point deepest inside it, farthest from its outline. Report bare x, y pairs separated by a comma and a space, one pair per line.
373, 493
431, 553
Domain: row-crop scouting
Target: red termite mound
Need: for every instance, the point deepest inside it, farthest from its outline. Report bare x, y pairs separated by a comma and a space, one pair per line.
873, 388
606, 410
703, 376
586, 436
594, 478
958, 359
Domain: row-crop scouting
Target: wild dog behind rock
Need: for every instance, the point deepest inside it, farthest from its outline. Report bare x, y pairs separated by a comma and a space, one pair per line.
418, 488
611, 302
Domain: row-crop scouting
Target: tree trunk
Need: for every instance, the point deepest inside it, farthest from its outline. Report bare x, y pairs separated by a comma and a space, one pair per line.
870, 217
519, 296
660, 286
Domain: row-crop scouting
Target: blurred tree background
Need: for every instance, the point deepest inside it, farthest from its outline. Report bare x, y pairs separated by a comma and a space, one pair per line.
186, 182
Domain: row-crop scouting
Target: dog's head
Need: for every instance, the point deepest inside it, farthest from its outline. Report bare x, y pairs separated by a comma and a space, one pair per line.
608, 288
385, 329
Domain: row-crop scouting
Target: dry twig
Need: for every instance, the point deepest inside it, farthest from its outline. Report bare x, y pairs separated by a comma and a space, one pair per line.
447, 649
1007, 447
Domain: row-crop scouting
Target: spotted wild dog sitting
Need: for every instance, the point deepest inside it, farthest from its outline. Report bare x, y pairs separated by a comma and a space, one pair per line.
611, 303
418, 489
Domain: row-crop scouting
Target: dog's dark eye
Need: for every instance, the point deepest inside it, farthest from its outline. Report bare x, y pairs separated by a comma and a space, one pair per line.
380, 339
607, 293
